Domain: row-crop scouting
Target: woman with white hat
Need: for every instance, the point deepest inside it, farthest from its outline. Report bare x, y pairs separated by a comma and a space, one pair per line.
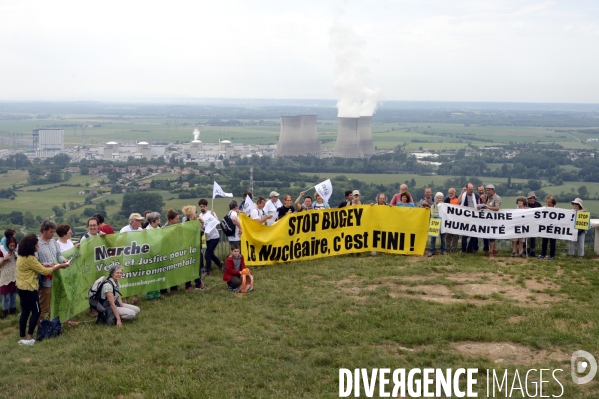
577, 204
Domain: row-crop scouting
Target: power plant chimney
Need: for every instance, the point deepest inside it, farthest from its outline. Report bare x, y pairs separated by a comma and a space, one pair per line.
365, 136
298, 137
348, 140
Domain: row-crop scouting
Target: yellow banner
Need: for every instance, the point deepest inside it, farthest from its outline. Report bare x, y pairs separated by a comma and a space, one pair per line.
329, 232
434, 227
583, 220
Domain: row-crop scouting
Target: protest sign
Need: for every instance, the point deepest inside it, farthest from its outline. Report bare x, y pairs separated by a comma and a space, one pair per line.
507, 224
583, 220
151, 260
434, 227
210, 222
329, 232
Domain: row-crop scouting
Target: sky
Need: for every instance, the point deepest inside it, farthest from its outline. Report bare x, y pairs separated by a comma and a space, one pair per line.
360, 51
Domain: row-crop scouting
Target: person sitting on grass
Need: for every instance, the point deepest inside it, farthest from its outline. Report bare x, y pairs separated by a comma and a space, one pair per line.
234, 265
28, 268
519, 242
116, 310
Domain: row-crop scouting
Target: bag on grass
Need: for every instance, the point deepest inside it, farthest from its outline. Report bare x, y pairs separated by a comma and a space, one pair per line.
49, 328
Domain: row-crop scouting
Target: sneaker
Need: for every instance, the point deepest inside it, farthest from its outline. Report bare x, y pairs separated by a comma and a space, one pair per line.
491, 256
430, 254
513, 254
200, 288
551, 258
444, 253
571, 256
27, 342
541, 257
249, 288
522, 255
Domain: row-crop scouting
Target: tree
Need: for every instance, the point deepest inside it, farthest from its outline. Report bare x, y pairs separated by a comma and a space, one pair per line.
57, 210
67, 176
535, 184
84, 171
583, 192
139, 201
16, 217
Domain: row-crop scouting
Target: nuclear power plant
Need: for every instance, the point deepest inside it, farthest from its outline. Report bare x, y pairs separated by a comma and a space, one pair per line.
298, 137
365, 135
354, 138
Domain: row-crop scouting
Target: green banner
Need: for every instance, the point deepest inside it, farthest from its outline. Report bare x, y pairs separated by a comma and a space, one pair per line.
151, 259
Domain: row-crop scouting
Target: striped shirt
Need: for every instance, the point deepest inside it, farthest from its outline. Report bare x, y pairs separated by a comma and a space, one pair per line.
49, 252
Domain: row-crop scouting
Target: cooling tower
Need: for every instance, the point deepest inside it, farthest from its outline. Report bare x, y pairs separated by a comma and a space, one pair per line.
298, 137
365, 136
348, 141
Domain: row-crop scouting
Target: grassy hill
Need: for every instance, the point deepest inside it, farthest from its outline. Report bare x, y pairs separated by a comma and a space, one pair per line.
306, 320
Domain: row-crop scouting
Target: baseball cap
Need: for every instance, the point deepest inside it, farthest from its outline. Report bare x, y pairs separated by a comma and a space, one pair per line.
135, 216
492, 187
273, 194
355, 192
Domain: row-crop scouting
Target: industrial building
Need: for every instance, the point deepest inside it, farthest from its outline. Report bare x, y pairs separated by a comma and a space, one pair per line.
48, 142
354, 138
299, 136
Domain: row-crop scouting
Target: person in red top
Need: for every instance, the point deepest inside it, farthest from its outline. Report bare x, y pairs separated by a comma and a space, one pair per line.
103, 227
234, 264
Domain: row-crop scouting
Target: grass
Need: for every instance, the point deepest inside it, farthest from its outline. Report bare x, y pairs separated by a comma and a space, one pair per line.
291, 335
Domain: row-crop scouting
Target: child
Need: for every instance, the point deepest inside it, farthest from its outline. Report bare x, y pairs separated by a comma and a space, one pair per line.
7, 233
234, 264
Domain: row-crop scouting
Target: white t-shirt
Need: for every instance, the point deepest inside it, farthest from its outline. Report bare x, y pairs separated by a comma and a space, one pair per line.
271, 209
65, 247
128, 228
83, 237
257, 214
233, 216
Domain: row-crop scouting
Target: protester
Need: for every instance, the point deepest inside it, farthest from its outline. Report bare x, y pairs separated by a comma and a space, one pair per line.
320, 203
518, 243
102, 226
116, 310
135, 220
212, 239
64, 237
435, 214
356, 198
493, 204
550, 202
172, 218
452, 239
469, 198
92, 229
258, 213
233, 214
8, 277
349, 196
233, 267
7, 233
406, 201
428, 199
28, 268
306, 205
190, 215
381, 199
532, 203
47, 254
146, 222
286, 208
397, 197
271, 207
482, 199
577, 205
153, 221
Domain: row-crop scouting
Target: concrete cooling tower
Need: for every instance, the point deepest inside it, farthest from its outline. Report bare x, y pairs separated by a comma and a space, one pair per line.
298, 137
348, 141
365, 136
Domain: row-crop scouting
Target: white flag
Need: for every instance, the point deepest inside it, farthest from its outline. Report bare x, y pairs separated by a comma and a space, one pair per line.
325, 189
248, 205
210, 222
219, 191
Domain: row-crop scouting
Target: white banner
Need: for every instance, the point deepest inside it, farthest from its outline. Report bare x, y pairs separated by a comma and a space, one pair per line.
210, 222
248, 205
219, 191
508, 223
325, 189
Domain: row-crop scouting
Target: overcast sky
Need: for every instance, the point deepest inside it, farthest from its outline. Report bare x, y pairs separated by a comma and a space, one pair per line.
479, 50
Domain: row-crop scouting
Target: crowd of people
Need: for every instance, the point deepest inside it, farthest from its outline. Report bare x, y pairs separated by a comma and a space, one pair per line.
26, 267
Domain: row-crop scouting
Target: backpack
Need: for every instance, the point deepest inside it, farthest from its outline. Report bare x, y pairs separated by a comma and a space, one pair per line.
227, 226
95, 293
49, 329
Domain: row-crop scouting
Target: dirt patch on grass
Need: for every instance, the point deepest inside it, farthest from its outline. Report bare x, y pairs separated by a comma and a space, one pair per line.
508, 352
516, 319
